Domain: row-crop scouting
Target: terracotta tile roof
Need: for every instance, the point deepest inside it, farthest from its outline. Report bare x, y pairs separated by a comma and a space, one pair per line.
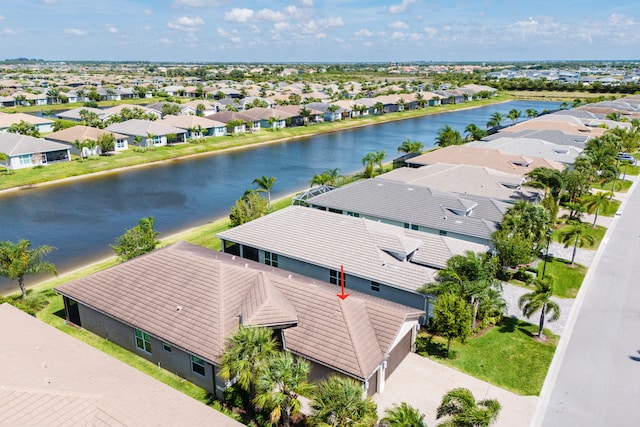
79, 133
193, 298
7, 120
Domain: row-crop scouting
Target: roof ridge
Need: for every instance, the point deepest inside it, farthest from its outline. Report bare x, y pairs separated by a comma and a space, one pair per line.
346, 308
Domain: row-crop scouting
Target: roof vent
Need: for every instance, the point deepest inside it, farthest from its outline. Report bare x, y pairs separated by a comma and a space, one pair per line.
246, 265
289, 276
233, 257
178, 307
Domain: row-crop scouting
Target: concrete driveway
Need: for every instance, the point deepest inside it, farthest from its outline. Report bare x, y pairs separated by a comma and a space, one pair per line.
422, 382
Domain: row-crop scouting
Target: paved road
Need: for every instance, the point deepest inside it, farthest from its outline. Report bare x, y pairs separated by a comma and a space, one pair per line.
594, 379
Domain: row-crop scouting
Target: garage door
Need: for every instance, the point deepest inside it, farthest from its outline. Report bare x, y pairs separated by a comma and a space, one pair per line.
373, 384
398, 354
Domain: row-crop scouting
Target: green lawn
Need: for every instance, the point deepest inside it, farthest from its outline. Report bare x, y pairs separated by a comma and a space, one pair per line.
507, 356
567, 279
611, 209
597, 233
619, 186
627, 169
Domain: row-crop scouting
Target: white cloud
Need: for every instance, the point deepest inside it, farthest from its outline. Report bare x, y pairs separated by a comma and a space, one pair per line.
282, 26
184, 23
270, 15
400, 8
618, 20
112, 29
50, 1
296, 12
397, 36
306, 3
233, 35
148, 12
364, 33
398, 25
9, 32
430, 32
165, 41
238, 15
196, 3
1, 17
75, 32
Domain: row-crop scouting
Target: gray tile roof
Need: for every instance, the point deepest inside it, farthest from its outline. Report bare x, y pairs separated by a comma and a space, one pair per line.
14, 144
193, 298
427, 207
566, 154
49, 378
554, 136
143, 127
74, 114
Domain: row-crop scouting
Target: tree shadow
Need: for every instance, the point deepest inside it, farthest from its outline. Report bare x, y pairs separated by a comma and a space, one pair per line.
510, 325
426, 346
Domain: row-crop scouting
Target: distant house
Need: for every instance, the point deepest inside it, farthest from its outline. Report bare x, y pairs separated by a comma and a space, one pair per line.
74, 114
245, 122
52, 378
81, 133
147, 133
269, 117
196, 127
26, 151
117, 110
379, 259
296, 114
176, 306
330, 112
43, 125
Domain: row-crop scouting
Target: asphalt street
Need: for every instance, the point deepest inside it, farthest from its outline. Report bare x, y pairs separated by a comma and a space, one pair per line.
594, 379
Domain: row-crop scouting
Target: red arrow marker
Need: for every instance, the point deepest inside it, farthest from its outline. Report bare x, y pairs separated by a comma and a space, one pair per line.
342, 296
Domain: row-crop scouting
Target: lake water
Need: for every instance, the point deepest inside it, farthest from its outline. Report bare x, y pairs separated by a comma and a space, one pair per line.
83, 217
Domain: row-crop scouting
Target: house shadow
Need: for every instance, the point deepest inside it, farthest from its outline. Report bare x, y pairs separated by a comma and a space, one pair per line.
635, 358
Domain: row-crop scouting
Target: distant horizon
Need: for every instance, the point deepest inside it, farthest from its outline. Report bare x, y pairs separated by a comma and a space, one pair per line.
313, 31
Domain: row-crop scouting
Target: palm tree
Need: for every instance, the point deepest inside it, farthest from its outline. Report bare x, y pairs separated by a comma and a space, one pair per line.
409, 146
463, 410
247, 351
280, 384
339, 401
79, 145
402, 415
495, 120
596, 202
20, 259
540, 300
379, 158
448, 136
577, 236
531, 113
514, 115
265, 184
368, 162
474, 133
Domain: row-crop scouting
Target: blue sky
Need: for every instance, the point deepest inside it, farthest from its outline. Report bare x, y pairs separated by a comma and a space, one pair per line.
319, 30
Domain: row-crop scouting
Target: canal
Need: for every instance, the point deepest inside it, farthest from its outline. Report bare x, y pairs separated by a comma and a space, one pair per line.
81, 218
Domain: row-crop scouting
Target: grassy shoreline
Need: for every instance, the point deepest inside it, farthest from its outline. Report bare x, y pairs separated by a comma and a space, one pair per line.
63, 172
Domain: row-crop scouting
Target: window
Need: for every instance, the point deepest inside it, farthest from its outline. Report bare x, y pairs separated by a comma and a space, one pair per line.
271, 259
166, 347
354, 214
411, 226
375, 286
143, 340
334, 277
25, 159
120, 143
197, 365
443, 233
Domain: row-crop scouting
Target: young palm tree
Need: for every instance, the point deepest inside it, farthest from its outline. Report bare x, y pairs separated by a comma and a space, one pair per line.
379, 158
402, 415
596, 202
540, 300
265, 184
577, 236
495, 120
279, 386
462, 410
514, 115
531, 113
19, 259
247, 351
410, 146
448, 136
369, 162
339, 401
474, 133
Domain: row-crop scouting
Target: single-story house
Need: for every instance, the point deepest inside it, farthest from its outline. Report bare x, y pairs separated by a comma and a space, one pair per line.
467, 217
42, 124
81, 133
117, 110
297, 117
379, 259
176, 307
52, 378
24, 151
566, 154
330, 112
196, 127
74, 114
209, 107
249, 123
269, 117
147, 133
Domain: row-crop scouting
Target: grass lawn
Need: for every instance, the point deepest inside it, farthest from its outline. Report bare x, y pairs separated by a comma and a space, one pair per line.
567, 279
627, 169
619, 186
506, 356
597, 233
611, 209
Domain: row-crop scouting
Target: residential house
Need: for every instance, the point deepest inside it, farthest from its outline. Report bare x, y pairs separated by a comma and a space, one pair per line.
117, 110
42, 125
554, 136
466, 179
269, 117
24, 151
566, 154
82, 133
482, 156
378, 259
209, 107
245, 122
196, 127
330, 112
471, 218
176, 306
52, 378
296, 114
147, 133
75, 113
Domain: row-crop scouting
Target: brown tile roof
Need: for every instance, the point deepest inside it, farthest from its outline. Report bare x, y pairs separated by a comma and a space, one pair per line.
79, 133
193, 298
49, 378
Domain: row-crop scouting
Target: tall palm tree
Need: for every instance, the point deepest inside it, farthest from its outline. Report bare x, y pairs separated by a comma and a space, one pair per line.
462, 410
379, 158
279, 386
402, 415
577, 236
265, 184
474, 133
339, 401
596, 202
448, 136
369, 162
540, 300
19, 259
247, 351
409, 146
495, 120
514, 115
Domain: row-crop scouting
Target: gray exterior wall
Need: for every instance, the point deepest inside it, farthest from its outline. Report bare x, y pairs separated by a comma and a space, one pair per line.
177, 361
